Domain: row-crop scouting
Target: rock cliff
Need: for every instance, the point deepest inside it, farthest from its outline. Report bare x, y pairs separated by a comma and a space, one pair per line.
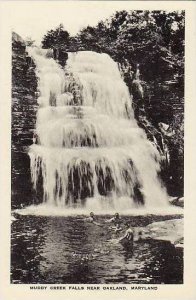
24, 107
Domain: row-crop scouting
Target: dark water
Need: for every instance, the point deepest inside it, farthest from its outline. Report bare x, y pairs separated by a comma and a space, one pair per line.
69, 250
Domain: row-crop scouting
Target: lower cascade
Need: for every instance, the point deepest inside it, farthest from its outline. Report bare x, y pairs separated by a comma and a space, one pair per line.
89, 151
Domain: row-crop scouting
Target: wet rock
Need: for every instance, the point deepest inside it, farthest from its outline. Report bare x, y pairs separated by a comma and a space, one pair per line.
169, 230
62, 57
177, 201
137, 89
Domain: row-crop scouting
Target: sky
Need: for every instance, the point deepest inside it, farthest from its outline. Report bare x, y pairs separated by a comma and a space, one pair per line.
35, 19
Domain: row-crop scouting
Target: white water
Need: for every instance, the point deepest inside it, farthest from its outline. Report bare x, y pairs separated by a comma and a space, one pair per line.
91, 154
51, 210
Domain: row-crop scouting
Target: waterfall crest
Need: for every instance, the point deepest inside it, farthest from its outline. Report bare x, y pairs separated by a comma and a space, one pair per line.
90, 151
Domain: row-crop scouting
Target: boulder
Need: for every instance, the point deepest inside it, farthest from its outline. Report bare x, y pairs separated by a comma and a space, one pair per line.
169, 230
177, 201
17, 38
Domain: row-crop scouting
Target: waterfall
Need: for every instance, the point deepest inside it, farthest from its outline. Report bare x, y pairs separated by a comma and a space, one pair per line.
89, 150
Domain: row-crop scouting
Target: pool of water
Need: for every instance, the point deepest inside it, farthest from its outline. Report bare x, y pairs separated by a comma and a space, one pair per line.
61, 250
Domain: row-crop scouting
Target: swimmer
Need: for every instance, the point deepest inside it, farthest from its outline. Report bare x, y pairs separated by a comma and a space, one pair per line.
91, 219
127, 239
115, 219
116, 228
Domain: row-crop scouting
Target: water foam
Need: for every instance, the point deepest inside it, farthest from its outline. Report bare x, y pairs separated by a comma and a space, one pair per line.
46, 210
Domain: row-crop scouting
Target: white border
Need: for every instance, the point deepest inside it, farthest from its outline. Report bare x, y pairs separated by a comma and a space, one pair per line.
181, 292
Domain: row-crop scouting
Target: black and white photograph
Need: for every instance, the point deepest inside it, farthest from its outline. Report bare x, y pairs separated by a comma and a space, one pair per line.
97, 146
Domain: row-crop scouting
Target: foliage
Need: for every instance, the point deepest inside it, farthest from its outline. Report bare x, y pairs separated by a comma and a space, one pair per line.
58, 38
150, 38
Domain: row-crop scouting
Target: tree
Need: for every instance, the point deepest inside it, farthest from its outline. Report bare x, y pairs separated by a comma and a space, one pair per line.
58, 38
88, 38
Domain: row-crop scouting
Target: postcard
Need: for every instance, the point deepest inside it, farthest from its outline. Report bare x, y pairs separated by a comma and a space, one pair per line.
97, 160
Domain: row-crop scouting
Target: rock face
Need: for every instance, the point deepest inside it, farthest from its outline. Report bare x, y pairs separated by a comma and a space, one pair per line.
170, 230
16, 38
153, 114
24, 107
61, 56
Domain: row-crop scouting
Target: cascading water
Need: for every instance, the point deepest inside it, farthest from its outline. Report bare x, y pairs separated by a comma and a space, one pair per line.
90, 151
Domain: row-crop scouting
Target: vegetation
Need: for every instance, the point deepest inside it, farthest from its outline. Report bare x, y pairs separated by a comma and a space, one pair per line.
58, 38
155, 38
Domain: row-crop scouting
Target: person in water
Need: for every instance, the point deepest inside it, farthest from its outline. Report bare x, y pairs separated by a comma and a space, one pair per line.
117, 228
127, 239
115, 219
92, 219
